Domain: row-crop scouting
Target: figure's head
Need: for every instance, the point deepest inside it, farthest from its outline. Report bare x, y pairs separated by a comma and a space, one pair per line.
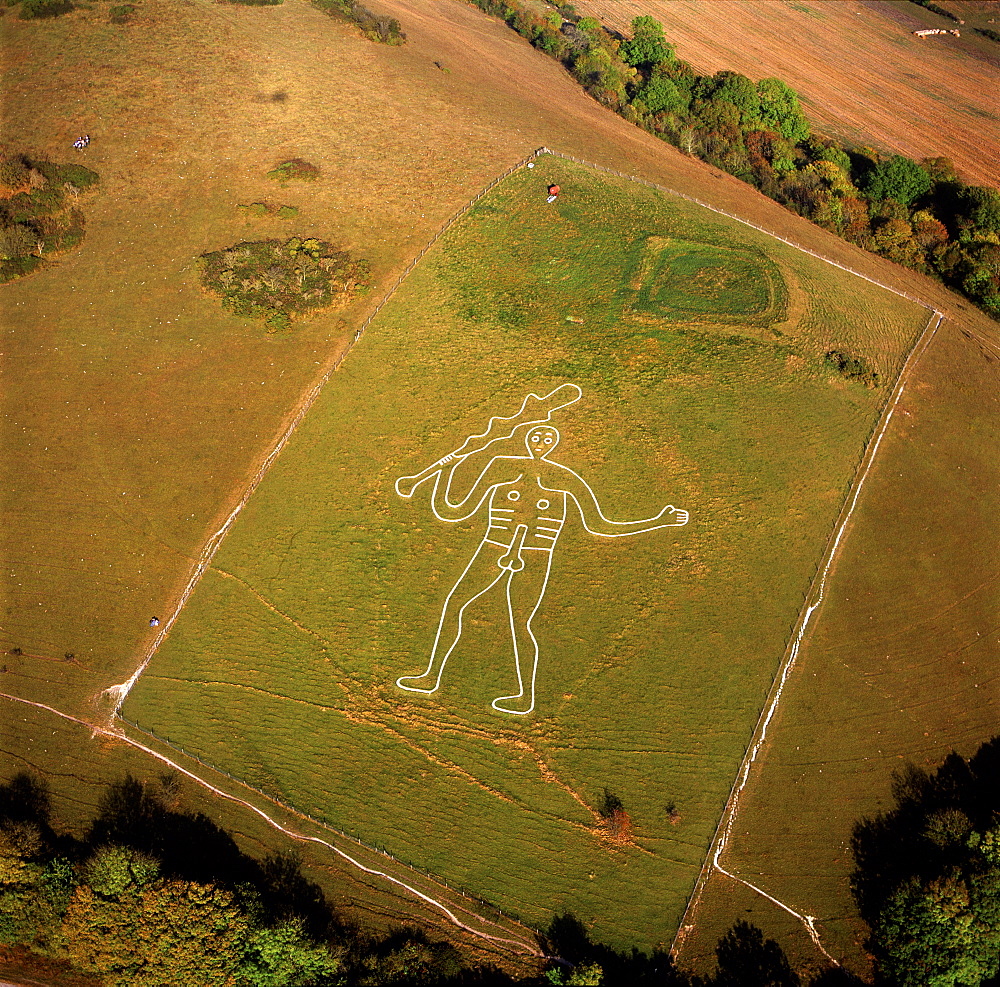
541, 440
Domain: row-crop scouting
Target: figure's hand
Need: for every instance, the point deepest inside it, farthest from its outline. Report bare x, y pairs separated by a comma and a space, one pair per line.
674, 516
405, 485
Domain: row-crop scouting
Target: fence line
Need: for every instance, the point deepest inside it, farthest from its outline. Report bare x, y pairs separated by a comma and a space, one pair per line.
813, 593
729, 215
323, 824
120, 692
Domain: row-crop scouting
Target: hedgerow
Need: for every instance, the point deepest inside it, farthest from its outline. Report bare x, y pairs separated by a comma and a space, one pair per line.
918, 214
376, 27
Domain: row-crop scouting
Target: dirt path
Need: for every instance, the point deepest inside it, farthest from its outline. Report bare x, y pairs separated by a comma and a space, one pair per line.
118, 693
507, 935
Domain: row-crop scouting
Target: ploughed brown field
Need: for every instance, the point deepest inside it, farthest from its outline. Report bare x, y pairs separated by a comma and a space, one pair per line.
862, 74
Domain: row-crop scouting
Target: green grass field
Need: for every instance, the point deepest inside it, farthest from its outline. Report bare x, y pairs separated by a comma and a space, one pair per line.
699, 346
900, 665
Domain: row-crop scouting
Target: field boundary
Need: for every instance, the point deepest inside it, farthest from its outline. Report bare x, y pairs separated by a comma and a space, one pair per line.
817, 586
118, 693
813, 599
518, 945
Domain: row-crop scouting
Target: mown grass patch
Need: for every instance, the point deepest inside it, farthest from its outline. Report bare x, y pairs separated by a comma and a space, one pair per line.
656, 651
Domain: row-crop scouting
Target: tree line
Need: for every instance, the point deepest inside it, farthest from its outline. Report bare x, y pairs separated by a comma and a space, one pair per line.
152, 896
918, 214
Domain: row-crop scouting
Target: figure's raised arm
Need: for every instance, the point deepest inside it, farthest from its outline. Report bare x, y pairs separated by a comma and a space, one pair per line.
593, 517
497, 470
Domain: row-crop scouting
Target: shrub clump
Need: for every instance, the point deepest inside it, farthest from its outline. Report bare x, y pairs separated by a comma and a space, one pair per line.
294, 170
39, 213
258, 210
121, 13
852, 368
617, 821
36, 9
276, 280
375, 27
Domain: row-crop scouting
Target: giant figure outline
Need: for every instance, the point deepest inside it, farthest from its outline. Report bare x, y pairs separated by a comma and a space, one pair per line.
528, 497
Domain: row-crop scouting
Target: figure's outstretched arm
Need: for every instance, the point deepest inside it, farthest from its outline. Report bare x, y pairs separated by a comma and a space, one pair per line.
593, 517
494, 473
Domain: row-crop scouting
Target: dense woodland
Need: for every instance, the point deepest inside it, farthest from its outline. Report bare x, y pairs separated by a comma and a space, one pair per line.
918, 214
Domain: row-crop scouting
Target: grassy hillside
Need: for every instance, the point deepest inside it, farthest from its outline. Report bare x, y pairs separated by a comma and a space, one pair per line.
700, 348
134, 409
901, 663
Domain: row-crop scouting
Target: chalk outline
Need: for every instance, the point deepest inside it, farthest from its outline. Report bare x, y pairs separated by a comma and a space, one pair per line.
515, 546
120, 692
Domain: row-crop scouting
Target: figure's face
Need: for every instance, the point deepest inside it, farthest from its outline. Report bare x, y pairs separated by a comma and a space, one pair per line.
541, 440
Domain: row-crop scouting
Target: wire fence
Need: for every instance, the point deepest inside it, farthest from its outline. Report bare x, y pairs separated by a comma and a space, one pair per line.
477, 900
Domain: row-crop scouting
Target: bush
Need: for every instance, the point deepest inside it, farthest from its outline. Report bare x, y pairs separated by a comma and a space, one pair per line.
39, 216
258, 210
13, 174
852, 368
121, 13
275, 280
31, 9
294, 170
374, 26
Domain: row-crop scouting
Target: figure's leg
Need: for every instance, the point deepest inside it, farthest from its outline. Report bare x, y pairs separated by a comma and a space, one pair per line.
525, 591
480, 575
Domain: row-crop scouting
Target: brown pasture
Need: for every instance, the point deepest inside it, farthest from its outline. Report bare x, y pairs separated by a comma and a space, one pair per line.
862, 74
134, 410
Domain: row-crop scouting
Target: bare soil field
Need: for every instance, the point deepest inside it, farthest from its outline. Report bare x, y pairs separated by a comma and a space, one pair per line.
862, 74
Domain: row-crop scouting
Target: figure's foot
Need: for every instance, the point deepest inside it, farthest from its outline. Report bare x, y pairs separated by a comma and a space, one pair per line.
418, 683
518, 705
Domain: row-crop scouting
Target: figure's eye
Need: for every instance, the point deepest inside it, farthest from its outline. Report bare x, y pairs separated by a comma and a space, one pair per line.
548, 439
